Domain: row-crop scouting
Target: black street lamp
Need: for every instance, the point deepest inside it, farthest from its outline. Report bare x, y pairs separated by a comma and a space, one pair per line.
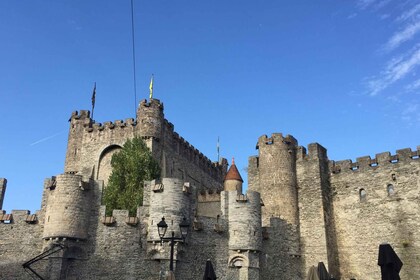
183, 227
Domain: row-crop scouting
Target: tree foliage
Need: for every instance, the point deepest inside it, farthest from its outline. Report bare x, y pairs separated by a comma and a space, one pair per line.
131, 166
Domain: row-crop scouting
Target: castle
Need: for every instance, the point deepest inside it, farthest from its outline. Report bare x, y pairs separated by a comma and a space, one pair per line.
300, 209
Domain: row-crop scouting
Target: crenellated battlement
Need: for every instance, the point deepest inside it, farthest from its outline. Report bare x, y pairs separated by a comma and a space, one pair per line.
152, 103
129, 122
314, 151
188, 151
80, 115
382, 159
169, 127
208, 196
276, 139
119, 217
18, 217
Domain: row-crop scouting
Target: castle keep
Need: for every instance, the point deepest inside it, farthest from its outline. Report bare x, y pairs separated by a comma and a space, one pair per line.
300, 208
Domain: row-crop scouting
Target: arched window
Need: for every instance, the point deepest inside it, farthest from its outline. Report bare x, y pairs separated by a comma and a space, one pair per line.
238, 261
362, 195
390, 189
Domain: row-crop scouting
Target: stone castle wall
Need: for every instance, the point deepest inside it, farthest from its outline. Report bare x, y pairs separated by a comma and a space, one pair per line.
19, 242
315, 208
71, 213
116, 247
208, 204
390, 212
301, 208
133, 251
335, 225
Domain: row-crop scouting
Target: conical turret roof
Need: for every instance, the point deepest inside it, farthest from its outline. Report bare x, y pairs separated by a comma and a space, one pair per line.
233, 173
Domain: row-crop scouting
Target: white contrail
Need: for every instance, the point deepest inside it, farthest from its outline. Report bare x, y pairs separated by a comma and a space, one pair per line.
46, 138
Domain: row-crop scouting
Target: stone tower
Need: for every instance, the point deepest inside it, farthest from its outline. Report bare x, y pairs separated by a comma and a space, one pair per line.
275, 171
243, 214
273, 174
170, 198
150, 127
66, 222
245, 235
67, 212
233, 180
78, 123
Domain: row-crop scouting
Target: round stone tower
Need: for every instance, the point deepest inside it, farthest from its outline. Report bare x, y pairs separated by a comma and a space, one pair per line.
245, 221
233, 180
150, 127
150, 119
245, 234
168, 199
67, 211
277, 177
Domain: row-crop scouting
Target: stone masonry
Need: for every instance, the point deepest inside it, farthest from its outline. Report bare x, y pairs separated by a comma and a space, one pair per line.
301, 208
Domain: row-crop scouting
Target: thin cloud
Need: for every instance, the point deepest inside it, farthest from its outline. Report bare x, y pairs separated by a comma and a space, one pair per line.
394, 98
412, 108
352, 16
74, 24
402, 36
406, 19
410, 13
384, 16
382, 4
413, 86
411, 113
397, 69
365, 3
375, 4
46, 138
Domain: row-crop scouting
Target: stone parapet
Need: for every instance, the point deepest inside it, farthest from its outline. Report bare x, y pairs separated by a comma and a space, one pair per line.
402, 156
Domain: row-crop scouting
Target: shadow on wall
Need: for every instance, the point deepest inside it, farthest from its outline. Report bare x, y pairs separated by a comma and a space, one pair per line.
104, 164
282, 258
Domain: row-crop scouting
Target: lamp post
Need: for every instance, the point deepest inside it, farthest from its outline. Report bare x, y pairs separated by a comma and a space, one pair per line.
183, 227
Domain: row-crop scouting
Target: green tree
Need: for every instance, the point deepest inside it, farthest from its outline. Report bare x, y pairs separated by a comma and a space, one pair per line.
132, 165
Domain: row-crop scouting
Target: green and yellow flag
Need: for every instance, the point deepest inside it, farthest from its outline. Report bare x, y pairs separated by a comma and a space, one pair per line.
151, 88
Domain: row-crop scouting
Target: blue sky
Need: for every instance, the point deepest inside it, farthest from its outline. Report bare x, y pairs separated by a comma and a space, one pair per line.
344, 74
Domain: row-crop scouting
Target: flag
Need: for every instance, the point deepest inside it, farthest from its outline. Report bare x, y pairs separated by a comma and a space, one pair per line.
93, 96
151, 88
